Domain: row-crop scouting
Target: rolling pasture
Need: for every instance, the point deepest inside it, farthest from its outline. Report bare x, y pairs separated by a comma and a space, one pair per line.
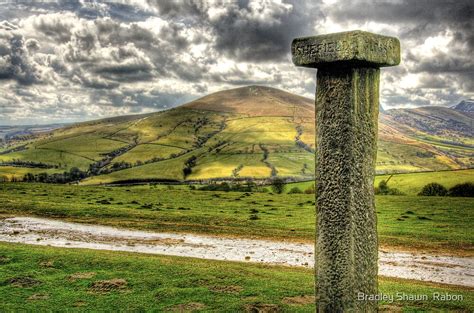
410, 184
47, 278
406, 222
249, 132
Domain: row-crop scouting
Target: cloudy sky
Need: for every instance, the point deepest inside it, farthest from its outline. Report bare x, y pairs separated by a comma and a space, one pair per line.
66, 61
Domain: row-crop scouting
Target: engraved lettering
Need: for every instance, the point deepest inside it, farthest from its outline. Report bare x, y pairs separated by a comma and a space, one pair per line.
328, 49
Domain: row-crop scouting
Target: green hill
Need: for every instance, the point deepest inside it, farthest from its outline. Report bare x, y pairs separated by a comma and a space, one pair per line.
254, 131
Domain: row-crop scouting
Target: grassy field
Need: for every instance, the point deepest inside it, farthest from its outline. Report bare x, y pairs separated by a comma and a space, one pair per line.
34, 278
73, 146
409, 158
18, 172
62, 159
90, 146
235, 128
210, 166
265, 130
412, 183
166, 169
146, 152
285, 163
440, 224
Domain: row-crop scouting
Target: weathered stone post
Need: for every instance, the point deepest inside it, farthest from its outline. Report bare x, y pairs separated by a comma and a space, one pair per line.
347, 104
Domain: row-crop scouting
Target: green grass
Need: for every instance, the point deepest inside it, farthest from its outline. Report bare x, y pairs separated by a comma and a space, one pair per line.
74, 146
91, 146
145, 152
34, 278
64, 160
213, 166
402, 157
166, 169
439, 141
408, 222
237, 123
265, 130
292, 164
412, 183
241, 141
147, 129
18, 172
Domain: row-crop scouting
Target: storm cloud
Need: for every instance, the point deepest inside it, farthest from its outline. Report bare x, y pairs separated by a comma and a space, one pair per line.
438, 36
77, 60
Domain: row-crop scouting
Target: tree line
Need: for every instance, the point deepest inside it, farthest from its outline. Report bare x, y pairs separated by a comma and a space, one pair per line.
73, 175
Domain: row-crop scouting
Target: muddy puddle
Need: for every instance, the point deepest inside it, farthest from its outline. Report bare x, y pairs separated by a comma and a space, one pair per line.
39, 231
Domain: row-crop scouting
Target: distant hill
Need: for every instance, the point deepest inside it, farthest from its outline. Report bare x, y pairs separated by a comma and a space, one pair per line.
451, 125
22, 132
251, 132
466, 106
256, 101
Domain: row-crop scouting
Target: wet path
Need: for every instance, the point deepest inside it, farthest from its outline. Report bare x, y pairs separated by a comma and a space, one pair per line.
39, 231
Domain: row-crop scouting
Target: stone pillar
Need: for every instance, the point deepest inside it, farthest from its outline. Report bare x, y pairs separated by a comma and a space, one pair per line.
347, 103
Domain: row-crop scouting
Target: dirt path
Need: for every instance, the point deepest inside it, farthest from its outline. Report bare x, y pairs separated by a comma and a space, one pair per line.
39, 231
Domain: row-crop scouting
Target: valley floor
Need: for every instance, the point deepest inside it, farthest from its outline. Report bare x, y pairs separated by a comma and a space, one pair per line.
421, 238
47, 232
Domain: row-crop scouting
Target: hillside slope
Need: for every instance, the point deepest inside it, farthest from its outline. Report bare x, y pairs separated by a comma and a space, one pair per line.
256, 101
466, 106
249, 132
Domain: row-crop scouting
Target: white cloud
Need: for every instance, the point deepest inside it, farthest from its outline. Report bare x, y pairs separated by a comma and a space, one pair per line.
96, 60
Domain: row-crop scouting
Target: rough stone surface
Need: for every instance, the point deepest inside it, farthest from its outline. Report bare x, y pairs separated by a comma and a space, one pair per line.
347, 49
346, 248
347, 106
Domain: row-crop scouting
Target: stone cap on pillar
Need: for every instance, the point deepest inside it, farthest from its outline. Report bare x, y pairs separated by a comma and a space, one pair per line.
347, 49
